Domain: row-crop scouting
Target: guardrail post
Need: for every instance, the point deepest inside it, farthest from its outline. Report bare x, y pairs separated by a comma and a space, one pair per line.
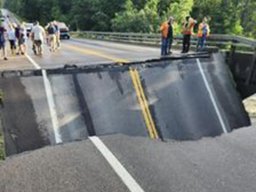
232, 52
252, 68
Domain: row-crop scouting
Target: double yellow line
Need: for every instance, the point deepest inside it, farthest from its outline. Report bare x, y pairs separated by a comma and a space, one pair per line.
150, 124
143, 104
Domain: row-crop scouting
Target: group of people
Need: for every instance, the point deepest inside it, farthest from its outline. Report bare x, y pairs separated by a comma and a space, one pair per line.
51, 33
17, 36
187, 30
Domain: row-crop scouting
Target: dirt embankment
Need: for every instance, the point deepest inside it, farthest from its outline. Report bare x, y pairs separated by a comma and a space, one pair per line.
250, 106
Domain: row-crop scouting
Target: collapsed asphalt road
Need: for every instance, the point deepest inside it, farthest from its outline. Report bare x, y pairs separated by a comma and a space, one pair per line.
222, 163
178, 98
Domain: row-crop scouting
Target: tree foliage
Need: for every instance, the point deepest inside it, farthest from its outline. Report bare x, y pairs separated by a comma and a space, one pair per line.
226, 16
137, 20
1, 3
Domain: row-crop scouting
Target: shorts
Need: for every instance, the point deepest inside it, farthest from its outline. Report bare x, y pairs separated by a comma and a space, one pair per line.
12, 44
38, 43
21, 41
2, 44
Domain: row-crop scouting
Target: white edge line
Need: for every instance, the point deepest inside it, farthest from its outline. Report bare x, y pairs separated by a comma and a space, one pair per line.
33, 62
212, 97
120, 170
50, 100
52, 107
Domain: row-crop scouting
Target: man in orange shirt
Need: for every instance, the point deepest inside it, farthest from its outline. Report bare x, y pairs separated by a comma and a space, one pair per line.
187, 31
164, 32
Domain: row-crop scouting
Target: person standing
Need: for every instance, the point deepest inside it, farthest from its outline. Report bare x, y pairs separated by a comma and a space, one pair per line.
38, 34
20, 33
57, 34
170, 35
202, 34
164, 35
12, 39
187, 31
51, 32
2, 40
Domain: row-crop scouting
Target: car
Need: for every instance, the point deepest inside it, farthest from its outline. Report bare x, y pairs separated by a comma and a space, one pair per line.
64, 30
28, 27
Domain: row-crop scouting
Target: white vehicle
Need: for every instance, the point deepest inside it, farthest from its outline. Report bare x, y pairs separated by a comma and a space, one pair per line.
28, 27
64, 30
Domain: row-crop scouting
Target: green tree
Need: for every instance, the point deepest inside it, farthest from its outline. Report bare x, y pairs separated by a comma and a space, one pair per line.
145, 20
248, 17
224, 15
179, 10
1, 3
227, 16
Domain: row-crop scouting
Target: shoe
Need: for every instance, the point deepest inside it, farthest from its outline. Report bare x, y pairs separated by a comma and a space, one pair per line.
5, 58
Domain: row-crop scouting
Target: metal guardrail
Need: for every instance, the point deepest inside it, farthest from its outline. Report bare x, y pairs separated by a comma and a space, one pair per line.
229, 43
217, 40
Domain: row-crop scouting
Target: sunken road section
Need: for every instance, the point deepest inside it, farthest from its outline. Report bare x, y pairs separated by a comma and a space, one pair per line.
188, 98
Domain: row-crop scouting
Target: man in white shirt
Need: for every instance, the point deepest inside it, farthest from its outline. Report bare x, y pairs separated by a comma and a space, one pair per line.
38, 35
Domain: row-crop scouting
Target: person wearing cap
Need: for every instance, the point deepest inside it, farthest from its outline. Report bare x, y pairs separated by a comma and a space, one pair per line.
170, 35
187, 31
202, 34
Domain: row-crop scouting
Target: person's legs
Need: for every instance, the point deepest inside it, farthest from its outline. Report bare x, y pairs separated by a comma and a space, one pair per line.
197, 44
184, 44
163, 46
24, 47
170, 45
34, 46
4, 51
1, 46
11, 46
19, 46
203, 41
58, 40
37, 47
40, 47
187, 43
52, 42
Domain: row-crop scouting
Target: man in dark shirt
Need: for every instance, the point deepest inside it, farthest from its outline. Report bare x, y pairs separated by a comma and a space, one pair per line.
170, 35
2, 40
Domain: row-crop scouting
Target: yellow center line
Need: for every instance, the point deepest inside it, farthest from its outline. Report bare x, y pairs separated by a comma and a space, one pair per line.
144, 104
137, 86
95, 53
151, 121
